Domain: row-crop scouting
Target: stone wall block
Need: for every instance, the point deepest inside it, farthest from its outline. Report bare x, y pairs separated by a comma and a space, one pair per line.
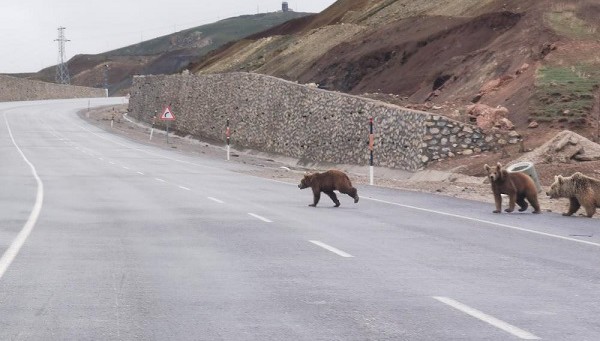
19, 89
282, 117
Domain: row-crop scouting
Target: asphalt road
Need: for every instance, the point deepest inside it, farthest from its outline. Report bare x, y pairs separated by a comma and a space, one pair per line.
106, 238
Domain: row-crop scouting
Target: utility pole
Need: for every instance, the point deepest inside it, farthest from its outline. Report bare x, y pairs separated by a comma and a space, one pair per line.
62, 73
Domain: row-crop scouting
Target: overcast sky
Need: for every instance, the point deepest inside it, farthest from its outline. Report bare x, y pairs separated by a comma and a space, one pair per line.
28, 28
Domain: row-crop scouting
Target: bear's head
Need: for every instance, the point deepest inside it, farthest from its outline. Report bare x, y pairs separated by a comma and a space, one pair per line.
557, 189
567, 186
306, 181
495, 174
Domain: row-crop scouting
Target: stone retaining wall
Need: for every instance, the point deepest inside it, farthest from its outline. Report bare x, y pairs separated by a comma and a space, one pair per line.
19, 89
277, 116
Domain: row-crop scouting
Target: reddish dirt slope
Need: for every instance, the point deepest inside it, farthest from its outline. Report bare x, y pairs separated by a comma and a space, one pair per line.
411, 54
417, 52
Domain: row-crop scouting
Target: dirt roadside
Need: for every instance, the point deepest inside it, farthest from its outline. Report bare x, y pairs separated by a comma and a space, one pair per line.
439, 182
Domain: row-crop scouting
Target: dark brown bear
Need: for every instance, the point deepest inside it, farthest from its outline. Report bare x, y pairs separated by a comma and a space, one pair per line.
518, 187
327, 182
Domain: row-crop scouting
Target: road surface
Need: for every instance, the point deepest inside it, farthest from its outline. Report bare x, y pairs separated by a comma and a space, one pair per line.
106, 238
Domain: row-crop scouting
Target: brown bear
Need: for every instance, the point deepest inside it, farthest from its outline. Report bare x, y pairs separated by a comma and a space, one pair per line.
581, 191
327, 182
518, 187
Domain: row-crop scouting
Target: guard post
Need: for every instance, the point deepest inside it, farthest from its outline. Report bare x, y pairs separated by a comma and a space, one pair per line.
153, 122
227, 135
371, 143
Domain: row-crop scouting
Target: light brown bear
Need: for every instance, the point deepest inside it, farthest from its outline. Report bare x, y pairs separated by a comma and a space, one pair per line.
518, 187
327, 182
581, 191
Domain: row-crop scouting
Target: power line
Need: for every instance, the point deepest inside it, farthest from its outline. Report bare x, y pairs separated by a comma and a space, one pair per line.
62, 73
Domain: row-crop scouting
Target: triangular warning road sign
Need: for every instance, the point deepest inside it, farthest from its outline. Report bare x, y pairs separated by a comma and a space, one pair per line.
167, 114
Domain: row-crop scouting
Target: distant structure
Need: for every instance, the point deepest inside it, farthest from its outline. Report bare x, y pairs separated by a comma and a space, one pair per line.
285, 7
62, 73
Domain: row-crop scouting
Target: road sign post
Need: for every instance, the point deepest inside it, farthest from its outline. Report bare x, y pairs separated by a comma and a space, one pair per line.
371, 143
167, 115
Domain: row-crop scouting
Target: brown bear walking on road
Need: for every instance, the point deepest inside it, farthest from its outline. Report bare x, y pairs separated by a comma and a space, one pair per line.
327, 182
581, 191
518, 187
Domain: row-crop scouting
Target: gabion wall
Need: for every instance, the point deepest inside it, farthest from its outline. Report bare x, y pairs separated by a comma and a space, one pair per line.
18, 89
277, 116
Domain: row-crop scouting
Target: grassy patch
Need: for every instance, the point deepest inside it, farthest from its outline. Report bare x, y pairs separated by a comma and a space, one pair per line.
217, 34
565, 94
568, 24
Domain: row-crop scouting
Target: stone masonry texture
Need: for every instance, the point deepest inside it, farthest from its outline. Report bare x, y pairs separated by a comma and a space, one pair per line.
19, 89
304, 122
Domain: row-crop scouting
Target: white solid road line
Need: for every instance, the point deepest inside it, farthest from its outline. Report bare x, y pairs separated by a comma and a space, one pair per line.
215, 200
260, 218
509, 328
332, 249
486, 222
14, 248
373, 199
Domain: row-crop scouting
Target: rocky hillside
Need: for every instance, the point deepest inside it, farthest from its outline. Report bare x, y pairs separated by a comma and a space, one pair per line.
536, 59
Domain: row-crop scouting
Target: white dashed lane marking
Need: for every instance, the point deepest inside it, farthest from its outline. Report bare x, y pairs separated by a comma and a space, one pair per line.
260, 218
332, 249
216, 200
189, 189
509, 328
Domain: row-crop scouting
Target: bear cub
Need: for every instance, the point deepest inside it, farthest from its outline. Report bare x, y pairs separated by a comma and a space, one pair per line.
581, 191
518, 187
327, 182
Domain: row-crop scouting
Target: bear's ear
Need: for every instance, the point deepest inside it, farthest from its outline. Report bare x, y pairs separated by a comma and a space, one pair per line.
487, 167
499, 166
559, 178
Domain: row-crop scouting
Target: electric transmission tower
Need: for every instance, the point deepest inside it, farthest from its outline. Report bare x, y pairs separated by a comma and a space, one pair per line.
62, 73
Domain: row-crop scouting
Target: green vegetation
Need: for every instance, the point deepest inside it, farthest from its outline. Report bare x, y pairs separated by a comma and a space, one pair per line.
208, 37
569, 25
565, 94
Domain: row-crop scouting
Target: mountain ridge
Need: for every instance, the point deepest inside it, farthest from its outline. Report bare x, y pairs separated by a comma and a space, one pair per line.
166, 54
